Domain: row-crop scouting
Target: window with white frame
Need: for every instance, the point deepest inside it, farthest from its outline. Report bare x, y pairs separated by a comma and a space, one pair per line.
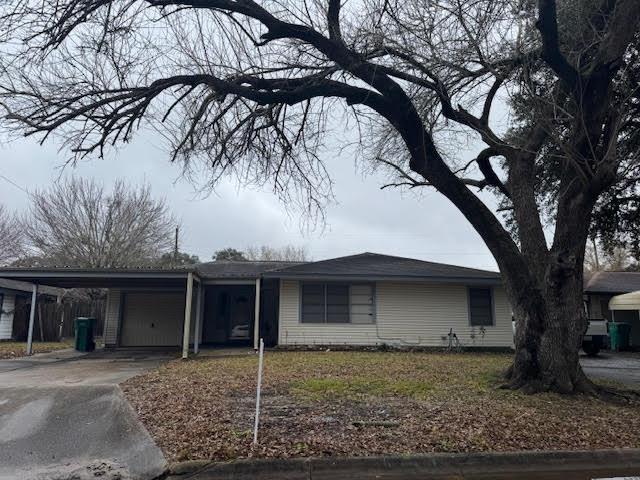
337, 303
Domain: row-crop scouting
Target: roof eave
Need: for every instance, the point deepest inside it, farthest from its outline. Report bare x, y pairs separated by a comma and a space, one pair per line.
389, 278
93, 274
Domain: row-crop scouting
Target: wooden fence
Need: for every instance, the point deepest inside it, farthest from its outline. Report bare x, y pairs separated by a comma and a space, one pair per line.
54, 321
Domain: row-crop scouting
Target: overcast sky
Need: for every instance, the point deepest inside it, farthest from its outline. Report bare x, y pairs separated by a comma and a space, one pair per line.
364, 218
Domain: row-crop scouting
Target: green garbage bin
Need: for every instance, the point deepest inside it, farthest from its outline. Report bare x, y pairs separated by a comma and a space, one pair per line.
84, 327
619, 335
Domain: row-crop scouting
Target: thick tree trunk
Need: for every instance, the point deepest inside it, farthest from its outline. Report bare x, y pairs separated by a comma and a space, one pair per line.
549, 330
550, 314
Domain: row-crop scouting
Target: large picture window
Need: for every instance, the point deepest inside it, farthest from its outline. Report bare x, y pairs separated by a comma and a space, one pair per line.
336, 303
481, 307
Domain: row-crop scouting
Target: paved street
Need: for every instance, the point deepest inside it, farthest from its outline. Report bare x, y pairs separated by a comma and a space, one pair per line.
63, 416
622, 367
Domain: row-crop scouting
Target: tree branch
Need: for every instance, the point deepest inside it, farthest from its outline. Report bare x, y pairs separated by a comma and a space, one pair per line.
333, 20
547, 24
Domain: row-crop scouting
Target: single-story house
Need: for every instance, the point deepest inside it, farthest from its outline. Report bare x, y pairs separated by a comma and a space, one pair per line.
11, 293
367, 299
601, 287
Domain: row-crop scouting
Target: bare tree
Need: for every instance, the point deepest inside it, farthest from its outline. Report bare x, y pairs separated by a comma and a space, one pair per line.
251, 88
592, 259
11, 237
287, 253
79, 223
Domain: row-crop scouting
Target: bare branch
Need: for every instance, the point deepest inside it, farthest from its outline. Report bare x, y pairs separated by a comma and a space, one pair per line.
547, 24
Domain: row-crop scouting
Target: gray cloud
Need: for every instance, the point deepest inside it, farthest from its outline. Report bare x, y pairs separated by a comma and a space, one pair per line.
364, 218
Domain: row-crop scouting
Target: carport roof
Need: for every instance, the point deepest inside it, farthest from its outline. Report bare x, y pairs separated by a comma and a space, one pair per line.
70, 277
66, 277
18, 286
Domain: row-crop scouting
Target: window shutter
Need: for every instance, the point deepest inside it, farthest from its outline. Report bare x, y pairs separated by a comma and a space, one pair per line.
362, 304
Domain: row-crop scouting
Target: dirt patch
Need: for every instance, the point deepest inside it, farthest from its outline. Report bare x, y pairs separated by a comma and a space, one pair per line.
19, 349
364, 403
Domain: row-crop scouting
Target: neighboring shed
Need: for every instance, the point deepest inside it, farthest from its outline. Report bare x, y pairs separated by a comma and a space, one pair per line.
626, 308
9, 291
602, 287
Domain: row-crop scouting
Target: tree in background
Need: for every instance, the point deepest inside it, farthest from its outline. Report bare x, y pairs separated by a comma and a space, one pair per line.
79, 223
619, 259
250, 87
287, 253
182, 259
11, 237
229, 254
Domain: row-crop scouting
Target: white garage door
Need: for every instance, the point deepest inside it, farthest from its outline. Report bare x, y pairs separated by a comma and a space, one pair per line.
152, 319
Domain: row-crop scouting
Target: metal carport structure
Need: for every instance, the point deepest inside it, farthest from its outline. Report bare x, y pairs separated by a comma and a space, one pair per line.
177, 278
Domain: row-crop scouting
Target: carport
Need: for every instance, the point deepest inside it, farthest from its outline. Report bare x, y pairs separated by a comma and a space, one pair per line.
163, 283
626, 308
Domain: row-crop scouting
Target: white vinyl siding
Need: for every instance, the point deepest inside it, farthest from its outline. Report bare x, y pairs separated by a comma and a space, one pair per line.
152, 319
7, 306
112, 317
418, 314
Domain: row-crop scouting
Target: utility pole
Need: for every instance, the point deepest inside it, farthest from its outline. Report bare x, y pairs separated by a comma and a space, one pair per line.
175, 248
595, 253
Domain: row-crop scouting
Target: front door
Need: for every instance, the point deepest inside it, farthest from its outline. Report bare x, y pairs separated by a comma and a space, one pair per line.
228, 314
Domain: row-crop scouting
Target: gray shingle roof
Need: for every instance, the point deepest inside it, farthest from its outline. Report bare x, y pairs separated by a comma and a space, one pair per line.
613, 282
238, 269
362, 266
373, 265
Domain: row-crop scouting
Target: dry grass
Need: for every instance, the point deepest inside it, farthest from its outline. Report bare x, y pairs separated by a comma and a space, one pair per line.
357, 403
19, 349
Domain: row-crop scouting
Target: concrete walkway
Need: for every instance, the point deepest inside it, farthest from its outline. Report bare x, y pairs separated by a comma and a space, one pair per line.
63, 416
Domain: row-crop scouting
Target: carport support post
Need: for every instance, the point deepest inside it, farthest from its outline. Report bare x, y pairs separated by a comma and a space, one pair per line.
32, 317
187, 316
256, 321
196, 333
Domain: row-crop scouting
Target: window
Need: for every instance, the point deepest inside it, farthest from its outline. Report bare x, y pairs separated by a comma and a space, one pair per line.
480, 307
313, 303
336, 303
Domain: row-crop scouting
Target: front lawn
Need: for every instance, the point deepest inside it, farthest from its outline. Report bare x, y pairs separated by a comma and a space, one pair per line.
364, 403
19, 349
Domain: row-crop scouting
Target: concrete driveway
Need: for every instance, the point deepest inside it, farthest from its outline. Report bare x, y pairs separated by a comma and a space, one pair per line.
63, 416
621, 367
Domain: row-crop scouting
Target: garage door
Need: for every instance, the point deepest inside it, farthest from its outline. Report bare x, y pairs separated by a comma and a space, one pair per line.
152, 319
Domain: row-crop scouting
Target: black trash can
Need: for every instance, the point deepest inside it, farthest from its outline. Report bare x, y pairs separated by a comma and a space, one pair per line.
84, 327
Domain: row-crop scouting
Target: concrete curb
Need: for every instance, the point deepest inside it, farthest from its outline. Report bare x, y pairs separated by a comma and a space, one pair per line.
544, 464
